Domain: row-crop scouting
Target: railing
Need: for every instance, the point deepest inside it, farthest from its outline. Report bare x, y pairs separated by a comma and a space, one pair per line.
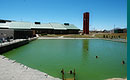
71, 72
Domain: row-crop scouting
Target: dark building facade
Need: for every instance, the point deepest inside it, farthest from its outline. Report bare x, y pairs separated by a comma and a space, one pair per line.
23, 34
118, 30
86, 23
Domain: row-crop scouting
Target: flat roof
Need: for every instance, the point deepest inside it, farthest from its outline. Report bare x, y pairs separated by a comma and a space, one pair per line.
29, 25
41, 26
57, 26
20, 25
70, 26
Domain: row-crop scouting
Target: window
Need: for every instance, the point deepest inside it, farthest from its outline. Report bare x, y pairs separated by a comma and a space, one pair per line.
67, 24
2, 21
37, 23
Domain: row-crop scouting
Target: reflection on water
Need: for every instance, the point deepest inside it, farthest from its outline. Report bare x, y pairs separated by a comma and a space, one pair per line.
85, 44
85, 50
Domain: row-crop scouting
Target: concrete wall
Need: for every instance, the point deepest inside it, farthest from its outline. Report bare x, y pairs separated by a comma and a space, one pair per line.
12, 46
4, 33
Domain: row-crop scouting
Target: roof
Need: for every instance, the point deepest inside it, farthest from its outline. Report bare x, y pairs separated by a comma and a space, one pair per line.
41, 26
4, 25
29, 25
58, 26
70, 26
20, 25
6, 20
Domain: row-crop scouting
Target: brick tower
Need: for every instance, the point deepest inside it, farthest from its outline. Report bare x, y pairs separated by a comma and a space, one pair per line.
86, 23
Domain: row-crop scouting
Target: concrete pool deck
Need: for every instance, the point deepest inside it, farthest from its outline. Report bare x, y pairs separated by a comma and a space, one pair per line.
12, 42
16, 41
116, 40
11, 70
7, 46
63, 38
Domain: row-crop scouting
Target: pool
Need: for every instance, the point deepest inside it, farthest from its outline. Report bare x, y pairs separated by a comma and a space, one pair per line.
50, 56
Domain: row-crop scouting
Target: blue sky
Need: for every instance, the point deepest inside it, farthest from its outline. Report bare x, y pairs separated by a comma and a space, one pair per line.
103, 13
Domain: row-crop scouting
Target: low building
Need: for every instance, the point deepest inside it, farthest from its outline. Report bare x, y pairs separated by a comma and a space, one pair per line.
28, 29
125, 30
118, 30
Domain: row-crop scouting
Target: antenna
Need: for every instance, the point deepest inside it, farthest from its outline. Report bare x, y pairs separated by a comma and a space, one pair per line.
114, 26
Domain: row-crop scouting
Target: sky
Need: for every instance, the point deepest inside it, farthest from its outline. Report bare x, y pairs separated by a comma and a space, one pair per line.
104, 14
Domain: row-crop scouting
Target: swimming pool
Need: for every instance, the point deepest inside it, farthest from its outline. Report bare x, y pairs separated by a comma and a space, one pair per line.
50, 56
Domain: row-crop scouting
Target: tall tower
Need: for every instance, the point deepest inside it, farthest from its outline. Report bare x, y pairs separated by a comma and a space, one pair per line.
86, 23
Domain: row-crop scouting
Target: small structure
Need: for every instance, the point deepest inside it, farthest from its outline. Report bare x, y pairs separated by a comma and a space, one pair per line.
118, 30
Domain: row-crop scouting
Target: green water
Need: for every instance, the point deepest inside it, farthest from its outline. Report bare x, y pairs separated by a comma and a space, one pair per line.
51, 56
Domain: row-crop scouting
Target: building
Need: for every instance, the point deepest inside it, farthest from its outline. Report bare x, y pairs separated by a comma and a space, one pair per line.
118, 30
6, 33
22, 30
86, 23
125, 30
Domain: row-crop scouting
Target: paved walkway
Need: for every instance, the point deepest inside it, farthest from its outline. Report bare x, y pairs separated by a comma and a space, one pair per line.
63, 38
116, 40
11, 70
